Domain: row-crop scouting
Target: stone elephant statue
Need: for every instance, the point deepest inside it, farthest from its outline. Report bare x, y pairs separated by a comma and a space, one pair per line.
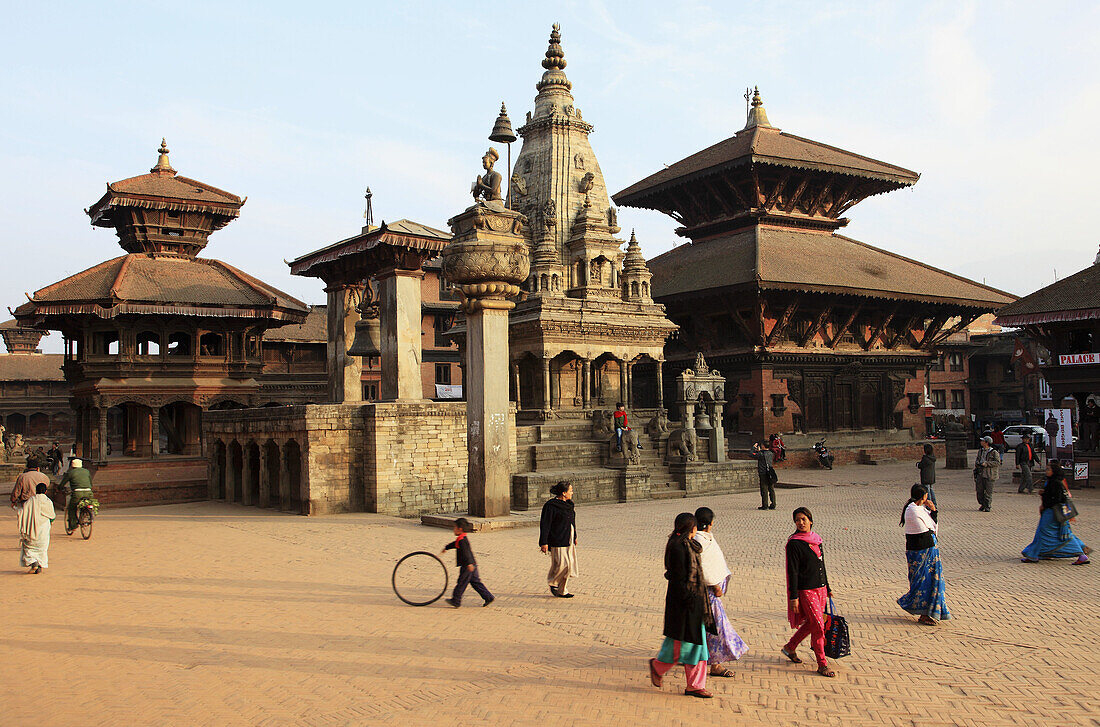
681, 445
631, 445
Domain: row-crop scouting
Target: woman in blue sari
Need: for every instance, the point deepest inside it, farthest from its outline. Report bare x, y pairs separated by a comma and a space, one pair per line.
927, 589
1052, 538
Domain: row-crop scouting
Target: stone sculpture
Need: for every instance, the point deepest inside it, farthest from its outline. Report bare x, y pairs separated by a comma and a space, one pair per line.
681, 444
658, 425
601, 424
630, 446
487, 186
586, 182
519, 185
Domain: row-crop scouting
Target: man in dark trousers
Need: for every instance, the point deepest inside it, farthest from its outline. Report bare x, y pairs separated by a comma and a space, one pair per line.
467, 566
1090, 426
1025, 460
766, 472
987, 468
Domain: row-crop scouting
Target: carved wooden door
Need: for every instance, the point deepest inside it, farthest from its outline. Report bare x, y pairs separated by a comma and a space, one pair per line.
815, 409
843, 405
870, 405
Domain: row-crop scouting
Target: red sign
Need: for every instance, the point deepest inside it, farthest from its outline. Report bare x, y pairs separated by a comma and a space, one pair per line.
1076, 359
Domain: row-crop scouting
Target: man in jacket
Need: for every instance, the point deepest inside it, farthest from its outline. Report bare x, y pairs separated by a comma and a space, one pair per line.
1025, 459
1090, 426
764, 470
77, 483
987, 468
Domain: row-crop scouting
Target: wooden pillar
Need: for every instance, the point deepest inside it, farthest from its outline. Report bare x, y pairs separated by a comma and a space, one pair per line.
284, 480
629, 385
102, 432
154, 432
515, 383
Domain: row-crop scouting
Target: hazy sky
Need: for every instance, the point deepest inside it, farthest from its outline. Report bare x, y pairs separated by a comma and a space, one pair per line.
300, 106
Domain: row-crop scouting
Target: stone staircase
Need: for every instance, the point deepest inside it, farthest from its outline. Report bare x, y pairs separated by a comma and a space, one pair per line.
564, 449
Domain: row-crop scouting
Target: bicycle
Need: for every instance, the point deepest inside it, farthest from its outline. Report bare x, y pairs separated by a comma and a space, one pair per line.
86, 511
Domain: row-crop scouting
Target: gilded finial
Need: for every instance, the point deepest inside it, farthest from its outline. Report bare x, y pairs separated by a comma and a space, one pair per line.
162, 161
555, 56
757, 115
633, 240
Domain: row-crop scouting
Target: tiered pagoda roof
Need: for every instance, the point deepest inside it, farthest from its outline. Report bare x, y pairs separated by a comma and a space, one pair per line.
163, 220
1076, 298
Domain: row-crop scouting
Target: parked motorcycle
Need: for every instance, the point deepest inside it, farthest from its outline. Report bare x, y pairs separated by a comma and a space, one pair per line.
824, 456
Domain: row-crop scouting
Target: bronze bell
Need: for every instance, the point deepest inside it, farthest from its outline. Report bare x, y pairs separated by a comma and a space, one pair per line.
368, 338
502, 129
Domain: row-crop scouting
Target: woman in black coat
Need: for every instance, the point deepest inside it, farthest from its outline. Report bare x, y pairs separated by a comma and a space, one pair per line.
686, 614
558, 538
927, 467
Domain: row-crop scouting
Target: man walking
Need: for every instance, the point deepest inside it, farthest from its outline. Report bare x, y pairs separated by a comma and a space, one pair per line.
766, 472
987, 468
1025, 459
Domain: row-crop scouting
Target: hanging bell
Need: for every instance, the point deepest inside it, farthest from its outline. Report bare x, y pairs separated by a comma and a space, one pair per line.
368, 338
502, 129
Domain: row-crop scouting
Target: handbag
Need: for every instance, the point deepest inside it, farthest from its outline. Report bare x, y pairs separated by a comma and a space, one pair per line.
837, 642
1065, 511
773, 476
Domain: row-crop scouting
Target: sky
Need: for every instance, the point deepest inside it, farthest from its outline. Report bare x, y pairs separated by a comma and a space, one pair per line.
301, 106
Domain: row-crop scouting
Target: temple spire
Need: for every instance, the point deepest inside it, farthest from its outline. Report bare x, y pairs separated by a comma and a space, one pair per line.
554, 63
757, 115
555, 56
162, 161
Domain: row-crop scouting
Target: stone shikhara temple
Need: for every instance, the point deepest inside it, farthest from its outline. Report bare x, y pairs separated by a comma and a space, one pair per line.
815, 332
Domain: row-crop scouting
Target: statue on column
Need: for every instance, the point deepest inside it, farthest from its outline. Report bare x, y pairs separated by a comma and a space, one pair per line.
487, 186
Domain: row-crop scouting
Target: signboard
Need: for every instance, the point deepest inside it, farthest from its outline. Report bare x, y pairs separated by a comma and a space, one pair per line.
448, 391
1077, 359
1059, 426
1081, 471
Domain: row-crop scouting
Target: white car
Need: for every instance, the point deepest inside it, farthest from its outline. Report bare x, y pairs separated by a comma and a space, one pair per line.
1014, 435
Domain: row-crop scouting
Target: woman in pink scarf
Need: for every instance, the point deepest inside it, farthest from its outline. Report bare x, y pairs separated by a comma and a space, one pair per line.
807, 591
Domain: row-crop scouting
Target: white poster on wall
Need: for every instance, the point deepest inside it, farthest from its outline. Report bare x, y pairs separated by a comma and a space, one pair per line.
1059, 425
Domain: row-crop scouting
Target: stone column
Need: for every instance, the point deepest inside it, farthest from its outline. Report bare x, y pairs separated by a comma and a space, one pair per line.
622, 383
717, 434
246, 475
488, 260
265, 479
401, 332
345, 373
660, 385
547, 398
586, 383
284, 480
629, 384
154, 432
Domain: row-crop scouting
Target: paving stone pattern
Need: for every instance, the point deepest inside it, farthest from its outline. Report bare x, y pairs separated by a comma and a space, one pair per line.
216, 614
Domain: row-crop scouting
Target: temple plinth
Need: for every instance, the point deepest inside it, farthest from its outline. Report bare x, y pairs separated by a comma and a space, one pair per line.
488, 260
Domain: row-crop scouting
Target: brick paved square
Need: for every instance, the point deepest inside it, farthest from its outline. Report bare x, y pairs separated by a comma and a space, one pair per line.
213, 614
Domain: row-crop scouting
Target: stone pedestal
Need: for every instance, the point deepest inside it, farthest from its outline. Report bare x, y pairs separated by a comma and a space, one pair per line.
345, 372
487, 259
956, 450
401, 331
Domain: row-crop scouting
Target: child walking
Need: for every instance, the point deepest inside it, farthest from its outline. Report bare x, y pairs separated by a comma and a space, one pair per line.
467, 566
725, 645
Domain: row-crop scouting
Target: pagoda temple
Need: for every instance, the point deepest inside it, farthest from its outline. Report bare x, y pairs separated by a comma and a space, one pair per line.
815, 332
589, 316
157, 335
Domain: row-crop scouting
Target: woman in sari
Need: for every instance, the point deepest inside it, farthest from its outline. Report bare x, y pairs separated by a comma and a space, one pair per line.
927, 589
723, 645
1052, 538
35, 516
686, 614
807, 591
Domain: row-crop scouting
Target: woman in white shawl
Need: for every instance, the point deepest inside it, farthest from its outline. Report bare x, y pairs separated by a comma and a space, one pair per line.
725, 645
35, 516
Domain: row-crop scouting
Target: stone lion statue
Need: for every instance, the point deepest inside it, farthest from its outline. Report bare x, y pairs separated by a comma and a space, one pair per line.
681, 445
658, 425
601, 424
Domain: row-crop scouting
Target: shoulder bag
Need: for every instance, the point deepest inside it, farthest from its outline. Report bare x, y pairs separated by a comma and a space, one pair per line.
1065, 511
837, 643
